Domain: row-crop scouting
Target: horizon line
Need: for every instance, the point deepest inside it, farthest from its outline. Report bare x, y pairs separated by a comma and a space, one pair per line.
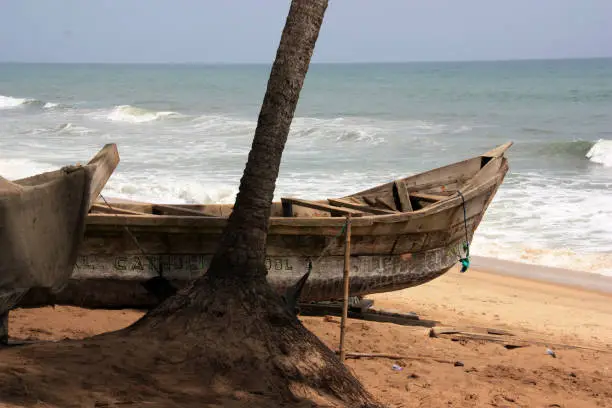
312, 63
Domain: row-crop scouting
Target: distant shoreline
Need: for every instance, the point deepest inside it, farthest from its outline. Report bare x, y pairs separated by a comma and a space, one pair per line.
560, 276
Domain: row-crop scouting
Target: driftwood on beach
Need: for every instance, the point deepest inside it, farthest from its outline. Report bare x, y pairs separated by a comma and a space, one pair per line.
404, 233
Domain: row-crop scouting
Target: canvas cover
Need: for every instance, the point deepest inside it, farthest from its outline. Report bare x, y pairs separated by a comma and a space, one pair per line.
42, 224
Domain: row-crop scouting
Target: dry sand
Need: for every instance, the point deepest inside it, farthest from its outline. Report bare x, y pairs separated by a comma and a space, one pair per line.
545, 314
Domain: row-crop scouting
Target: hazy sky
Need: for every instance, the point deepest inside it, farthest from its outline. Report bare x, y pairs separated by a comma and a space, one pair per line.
353, 30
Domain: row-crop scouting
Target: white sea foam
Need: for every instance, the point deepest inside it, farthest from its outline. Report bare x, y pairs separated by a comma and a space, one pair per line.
220, 125
335, 130
170, 191
431, 128
365, 130
71, 128
9, 102
601, 152
59, 129
542, 221
65, 126
304, 131
133, 114
17, 168
594, 262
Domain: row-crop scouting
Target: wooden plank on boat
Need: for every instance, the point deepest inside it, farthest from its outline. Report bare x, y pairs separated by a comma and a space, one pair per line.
7, 186
428, 197
321, 206
105, 209
371, 201
105, 163
165, 209
287, 208
385, 203
498, 151
402, 194
344, 203
493, 154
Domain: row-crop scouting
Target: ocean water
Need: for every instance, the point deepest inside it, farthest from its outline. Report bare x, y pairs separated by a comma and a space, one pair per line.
184, 132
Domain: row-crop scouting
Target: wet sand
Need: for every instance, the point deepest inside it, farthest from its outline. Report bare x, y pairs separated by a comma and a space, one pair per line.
449, 370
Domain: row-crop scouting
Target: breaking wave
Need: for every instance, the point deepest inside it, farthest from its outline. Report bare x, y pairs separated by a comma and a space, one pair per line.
597, 152
574, 148
51, 105
9, 102
601, 152
133, 114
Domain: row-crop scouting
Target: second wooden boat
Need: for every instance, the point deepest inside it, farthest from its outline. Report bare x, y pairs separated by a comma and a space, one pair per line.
404, 233
42, 224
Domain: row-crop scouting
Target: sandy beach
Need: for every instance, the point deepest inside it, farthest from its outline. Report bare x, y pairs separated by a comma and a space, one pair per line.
451, 370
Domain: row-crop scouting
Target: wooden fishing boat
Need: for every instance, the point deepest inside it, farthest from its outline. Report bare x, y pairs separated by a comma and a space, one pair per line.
42, 224
404, 233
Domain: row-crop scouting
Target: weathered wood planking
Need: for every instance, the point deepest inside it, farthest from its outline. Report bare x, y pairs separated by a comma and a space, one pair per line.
360, 207
428, 197
332, 209
116, 280
402, 196
166, 209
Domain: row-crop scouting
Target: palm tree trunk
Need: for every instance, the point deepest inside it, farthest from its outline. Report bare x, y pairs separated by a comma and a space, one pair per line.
242, 247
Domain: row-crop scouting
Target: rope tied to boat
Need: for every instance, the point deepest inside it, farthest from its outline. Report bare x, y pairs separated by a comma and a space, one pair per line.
465, 261
140, 248
333, 242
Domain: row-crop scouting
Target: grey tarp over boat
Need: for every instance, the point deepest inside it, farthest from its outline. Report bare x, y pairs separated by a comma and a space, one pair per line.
42, 224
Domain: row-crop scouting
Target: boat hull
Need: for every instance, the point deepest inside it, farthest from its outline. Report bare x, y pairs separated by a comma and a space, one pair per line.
117, 281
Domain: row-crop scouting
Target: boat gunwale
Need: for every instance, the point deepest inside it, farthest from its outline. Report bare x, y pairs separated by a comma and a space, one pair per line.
368, 220
186, 221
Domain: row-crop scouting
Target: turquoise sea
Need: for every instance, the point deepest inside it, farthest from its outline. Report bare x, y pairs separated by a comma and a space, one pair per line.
184, 132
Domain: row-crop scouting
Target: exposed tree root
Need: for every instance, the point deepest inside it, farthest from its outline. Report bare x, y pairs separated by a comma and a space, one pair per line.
242, 334
222, 345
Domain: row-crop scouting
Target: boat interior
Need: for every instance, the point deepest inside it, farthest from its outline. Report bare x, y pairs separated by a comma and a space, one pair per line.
409, 194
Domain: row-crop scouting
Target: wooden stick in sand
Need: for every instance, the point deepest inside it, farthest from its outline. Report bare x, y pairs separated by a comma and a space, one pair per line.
347, 267
397, 357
